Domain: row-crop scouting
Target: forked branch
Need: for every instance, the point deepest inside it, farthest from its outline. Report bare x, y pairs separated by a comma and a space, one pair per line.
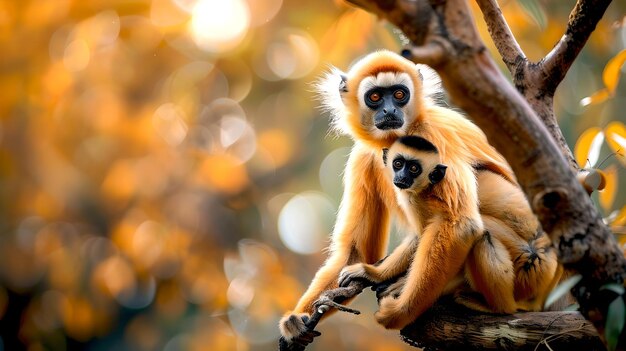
538, 81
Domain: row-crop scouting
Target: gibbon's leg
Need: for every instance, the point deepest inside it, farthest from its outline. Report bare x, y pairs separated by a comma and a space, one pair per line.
393, 265
443, 249
360, 235
489, 270
535, 265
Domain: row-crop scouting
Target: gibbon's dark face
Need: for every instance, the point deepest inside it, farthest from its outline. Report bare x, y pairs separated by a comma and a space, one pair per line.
387, 103
408, 171
405, 171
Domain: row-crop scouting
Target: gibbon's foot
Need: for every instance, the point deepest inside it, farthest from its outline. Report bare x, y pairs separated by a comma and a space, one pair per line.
391, 287
392, 315
294, 333
353, 272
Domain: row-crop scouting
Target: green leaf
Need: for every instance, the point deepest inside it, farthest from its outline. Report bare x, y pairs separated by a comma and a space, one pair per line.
614, 322
614, 287
535, 10
562, 289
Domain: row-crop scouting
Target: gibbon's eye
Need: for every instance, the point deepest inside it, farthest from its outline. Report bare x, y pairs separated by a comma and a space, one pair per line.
374, 97
399, 94
397, 164
413, 169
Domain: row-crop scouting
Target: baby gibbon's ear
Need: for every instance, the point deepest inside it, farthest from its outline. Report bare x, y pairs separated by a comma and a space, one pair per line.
437, 174
385, 152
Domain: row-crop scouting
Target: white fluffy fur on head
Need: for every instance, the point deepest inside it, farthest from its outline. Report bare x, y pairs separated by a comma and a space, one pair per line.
328, 90
328, 93
432, 90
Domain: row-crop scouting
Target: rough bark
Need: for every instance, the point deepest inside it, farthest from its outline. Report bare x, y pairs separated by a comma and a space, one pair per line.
445, 327
446, 38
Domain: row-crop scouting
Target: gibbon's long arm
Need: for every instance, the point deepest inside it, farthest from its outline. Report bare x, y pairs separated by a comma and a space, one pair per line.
362, 228
442, 251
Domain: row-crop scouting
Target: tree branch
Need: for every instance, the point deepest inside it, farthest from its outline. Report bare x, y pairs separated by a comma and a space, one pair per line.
447, 326
512, 54
582, 22
538, 81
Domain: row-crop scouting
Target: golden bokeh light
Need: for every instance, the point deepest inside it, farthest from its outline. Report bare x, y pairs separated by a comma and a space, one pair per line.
169, 123
305, 222
219, 26
77, 55
263, 10
167, 182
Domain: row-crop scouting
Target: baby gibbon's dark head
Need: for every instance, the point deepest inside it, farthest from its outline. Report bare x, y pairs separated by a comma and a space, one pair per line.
411, 157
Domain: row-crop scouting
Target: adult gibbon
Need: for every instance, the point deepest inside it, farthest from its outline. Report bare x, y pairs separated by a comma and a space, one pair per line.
382, 98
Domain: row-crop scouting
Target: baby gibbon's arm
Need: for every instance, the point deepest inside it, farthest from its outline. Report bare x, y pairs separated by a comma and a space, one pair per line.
392, 266
442, 251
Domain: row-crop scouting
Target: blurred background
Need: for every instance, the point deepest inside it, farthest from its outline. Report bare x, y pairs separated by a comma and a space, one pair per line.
167, 183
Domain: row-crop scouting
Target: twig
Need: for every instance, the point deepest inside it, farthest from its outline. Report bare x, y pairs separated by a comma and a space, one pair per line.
582, 22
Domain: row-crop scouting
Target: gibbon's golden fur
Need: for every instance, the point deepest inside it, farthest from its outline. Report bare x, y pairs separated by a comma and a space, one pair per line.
374, 121
502, 272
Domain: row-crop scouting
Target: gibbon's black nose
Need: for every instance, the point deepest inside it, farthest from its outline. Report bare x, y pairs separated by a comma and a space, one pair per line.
403, 183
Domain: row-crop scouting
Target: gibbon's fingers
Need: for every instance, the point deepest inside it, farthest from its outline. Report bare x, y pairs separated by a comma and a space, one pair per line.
353, 272
396, 263
393, 265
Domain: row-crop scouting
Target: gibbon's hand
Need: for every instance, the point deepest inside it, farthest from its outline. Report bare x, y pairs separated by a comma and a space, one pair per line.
354, 272
294, 333
391, 287
391, 314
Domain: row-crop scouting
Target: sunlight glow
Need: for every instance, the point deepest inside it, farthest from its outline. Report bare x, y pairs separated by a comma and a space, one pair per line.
305, 222
219, 26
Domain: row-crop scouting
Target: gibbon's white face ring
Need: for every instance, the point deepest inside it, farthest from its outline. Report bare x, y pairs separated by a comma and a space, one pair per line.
384, 80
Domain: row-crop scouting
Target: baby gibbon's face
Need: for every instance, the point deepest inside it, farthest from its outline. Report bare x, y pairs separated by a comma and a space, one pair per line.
405, 171
413, 163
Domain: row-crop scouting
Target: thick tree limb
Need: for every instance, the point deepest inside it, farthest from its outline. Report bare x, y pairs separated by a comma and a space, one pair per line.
474, 83
445, 327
